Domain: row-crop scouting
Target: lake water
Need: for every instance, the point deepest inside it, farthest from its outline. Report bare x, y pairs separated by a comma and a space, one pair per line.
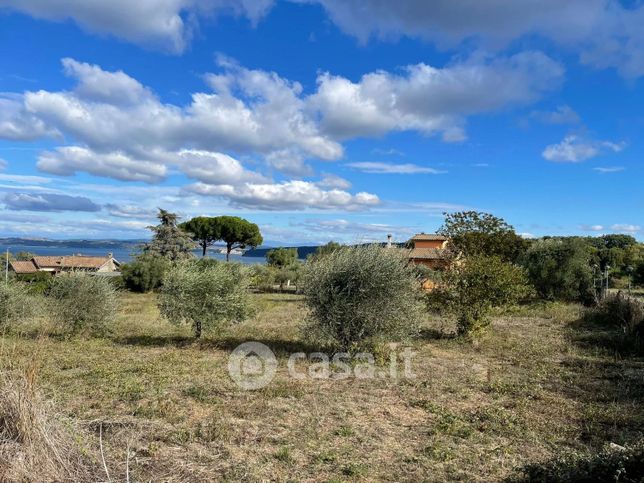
122, 255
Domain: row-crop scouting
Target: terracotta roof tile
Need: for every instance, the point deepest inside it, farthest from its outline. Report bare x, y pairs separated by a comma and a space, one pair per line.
74, 261
23, 267
429, 237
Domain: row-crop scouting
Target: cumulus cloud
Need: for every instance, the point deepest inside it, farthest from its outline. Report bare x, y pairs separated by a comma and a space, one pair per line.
573, 149
215, 168
592, 227
392, 168
429, 99
48, 202
288, 195
67, 160
166, 24
604, 32
334, 181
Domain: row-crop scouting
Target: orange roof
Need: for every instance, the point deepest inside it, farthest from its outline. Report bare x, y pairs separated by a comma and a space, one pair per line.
73, 261
429, 254
23, 267
429, 237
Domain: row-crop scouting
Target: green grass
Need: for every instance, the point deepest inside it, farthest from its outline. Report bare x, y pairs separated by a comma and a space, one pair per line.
539, 382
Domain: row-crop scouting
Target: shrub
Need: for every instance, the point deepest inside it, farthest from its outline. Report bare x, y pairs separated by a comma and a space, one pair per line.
263, 277
561, 270
204, 295
16, 305
82, 303
473, 288
145, 273
359, 293
614, 463
624, 313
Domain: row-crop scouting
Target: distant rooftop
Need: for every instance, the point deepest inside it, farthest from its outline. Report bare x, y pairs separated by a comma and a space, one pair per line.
429, 237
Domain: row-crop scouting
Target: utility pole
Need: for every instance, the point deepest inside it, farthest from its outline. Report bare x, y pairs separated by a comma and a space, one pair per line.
6, 268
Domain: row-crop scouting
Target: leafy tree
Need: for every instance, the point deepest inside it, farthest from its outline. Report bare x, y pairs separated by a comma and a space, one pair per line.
204, 230
237, 233
281, 257
561, 269
473, 288
474, 233
24, 256
204, 295
145, 273
638, 274
169, 241
357, 294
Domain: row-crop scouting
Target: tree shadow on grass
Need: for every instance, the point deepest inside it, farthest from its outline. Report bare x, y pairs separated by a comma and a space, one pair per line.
280, 347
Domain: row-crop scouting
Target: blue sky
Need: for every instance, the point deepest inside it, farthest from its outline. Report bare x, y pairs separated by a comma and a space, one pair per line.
321, 119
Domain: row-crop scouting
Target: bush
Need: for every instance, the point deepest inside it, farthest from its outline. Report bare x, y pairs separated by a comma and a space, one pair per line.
204, 295
82, 303
625, 314
472, 289
16, 305
145, 273
561, 270
359, 293
263, 277
281, 257
614, 463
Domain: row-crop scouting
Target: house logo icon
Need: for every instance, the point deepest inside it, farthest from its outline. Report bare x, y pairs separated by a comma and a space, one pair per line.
252, 365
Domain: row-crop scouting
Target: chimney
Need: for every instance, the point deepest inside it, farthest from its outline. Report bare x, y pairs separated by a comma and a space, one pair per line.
110, 255
389, 241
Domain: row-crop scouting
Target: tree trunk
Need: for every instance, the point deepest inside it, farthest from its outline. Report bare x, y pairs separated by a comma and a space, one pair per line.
229, 248
204, 246
198, 329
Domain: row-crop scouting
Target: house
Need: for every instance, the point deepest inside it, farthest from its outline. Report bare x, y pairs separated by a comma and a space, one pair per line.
430, 250
74, 263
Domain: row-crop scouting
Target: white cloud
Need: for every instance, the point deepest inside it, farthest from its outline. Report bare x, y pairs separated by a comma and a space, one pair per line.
48, 202
288, 195
334, 181
345, 226
130, 211
574, 149
3, 164
611, 169
392, 168
592, 227
604, 32
561, 115
167, 24
429, 99
626, 228
67, 160
215, 168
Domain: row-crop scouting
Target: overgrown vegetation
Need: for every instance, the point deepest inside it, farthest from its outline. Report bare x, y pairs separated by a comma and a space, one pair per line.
204, 295
359, 293
82, 304
613, 464
476, 286
145, 272
16, 304
625, 314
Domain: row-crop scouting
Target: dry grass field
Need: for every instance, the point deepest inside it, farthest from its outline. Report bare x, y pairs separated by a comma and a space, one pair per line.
538, 383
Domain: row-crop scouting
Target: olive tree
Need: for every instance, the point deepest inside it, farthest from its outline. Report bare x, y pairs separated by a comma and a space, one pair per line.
204, 295
83, 303
358, 293
281, 257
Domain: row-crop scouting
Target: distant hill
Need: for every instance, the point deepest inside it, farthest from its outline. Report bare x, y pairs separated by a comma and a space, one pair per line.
302, 252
